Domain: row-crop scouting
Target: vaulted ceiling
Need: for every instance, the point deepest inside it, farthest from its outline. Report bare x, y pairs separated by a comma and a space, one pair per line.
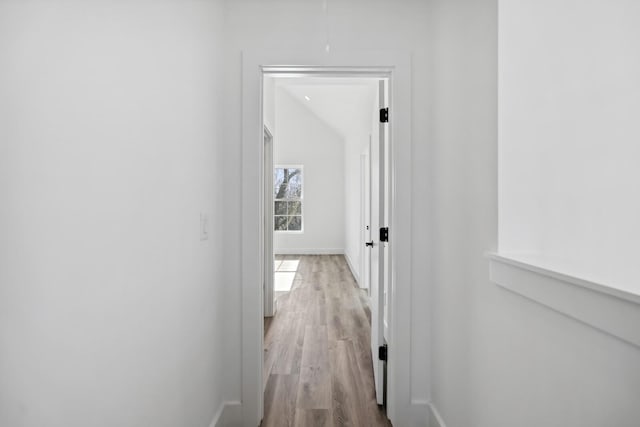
344, 104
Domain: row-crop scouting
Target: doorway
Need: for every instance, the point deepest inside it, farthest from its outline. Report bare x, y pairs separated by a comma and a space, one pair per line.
317, 189
336, 64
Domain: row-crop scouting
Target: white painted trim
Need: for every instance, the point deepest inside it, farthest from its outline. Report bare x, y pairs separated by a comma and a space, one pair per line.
396, 66
435, 419
609, 310
352, 268
419, 413
269, 293
229, 414
534, 267
217, 416
310, 251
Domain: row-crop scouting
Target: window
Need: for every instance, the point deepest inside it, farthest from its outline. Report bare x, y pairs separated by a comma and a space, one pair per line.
287, 196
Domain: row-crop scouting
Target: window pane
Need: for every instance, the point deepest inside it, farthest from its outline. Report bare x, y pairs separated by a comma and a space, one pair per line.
280, 208
295, 208
278, 178
294, 189
296, 223
287, 183
287, 193
280, 223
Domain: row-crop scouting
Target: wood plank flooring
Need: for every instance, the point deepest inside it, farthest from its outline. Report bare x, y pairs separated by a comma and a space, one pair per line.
317, 357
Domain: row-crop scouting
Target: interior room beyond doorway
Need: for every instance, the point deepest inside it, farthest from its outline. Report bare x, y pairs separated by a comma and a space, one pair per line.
318, 348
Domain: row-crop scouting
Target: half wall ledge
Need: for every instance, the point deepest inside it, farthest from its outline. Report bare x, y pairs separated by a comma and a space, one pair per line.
613, 311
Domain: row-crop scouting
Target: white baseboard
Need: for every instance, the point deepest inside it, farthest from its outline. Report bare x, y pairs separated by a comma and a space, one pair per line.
417, 414
423, 414
352, 268
307, 251
435, 419
228, 415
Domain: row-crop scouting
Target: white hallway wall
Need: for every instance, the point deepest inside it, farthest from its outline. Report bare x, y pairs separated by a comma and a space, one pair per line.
111, 308
302, 138
573, 181
500, 360
468, 353
280, 24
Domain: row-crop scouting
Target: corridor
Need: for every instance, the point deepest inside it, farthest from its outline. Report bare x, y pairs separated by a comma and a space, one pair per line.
317, 356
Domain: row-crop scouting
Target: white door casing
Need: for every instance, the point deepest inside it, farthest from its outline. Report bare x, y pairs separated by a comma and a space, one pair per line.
391, 64
268, 279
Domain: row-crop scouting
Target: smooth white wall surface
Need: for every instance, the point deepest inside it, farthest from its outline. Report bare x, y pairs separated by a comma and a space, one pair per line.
304, 139
354, 148
569, 129
353, 243
111, 307
500, 360
280, 24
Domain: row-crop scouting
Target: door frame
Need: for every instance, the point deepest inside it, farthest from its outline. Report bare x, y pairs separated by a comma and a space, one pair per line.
268, 278
394, 66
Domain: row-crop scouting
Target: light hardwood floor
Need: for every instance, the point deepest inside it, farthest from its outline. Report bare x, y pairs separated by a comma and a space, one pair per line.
317, 357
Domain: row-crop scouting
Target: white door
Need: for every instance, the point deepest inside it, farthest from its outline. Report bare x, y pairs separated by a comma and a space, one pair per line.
377, 248
384, 141
269, 304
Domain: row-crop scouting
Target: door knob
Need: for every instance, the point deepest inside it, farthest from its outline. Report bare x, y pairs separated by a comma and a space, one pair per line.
369, 243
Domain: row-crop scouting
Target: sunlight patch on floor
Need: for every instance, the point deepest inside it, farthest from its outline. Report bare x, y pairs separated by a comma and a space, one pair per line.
285, 274
283, 281
289, 265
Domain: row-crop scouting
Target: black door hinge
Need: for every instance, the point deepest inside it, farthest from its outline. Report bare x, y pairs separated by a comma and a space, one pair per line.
384, 115
384, 234
382, 352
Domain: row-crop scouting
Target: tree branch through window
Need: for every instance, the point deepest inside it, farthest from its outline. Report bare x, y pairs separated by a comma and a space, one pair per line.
288, 198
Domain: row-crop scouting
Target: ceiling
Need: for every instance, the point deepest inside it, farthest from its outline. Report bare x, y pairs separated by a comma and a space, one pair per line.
344, 104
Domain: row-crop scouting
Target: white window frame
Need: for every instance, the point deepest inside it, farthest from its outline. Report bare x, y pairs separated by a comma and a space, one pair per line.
301, 231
